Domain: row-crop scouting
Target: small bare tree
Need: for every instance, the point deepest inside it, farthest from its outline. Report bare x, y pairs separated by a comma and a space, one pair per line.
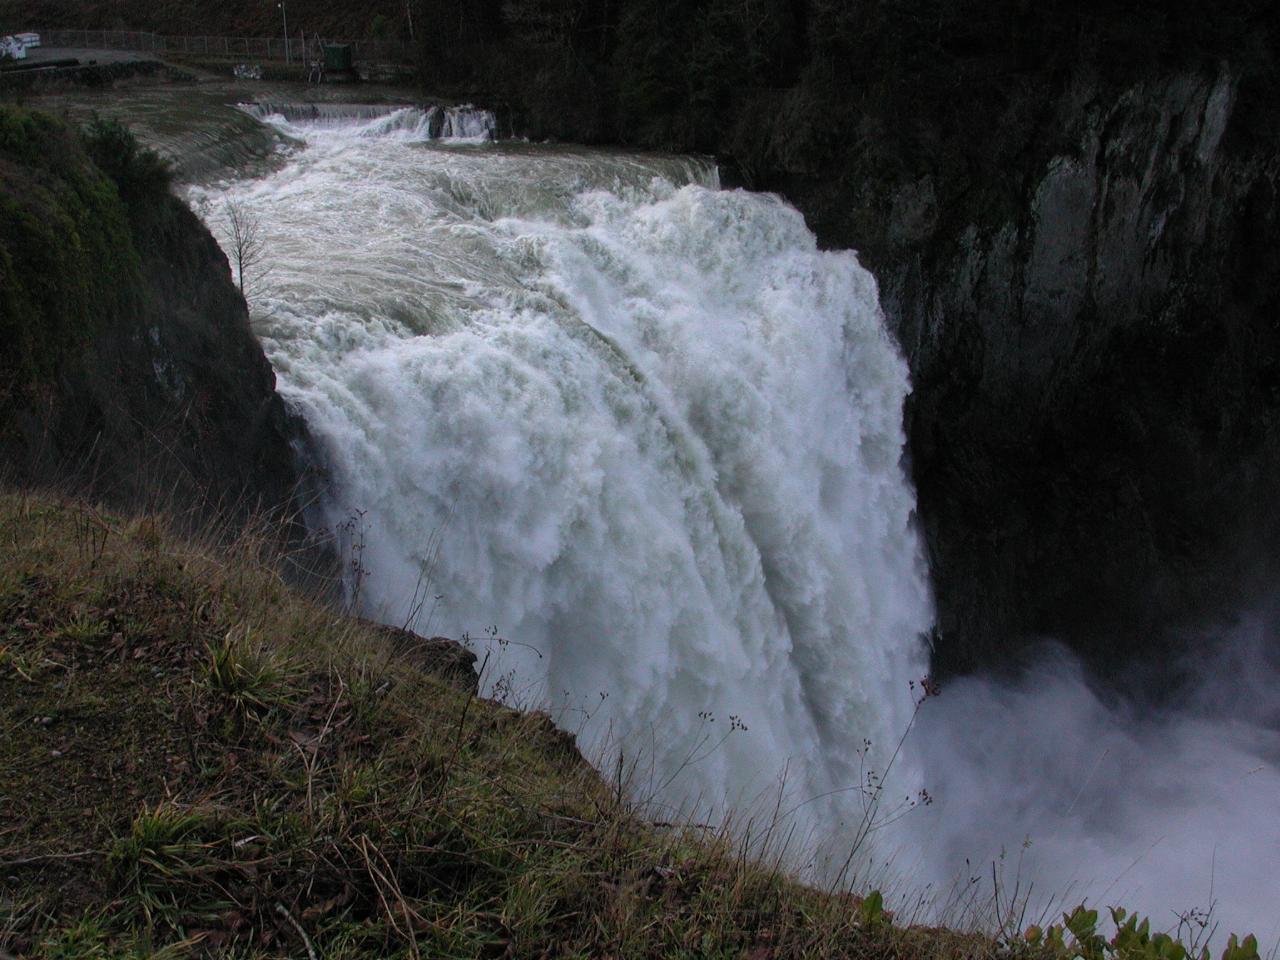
247, 248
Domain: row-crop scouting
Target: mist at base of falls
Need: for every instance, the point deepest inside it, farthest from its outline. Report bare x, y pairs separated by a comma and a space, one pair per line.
641, 442
1163, 801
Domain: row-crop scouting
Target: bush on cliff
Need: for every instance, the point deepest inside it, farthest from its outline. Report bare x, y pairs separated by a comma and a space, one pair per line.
140, 174
68, 266
127, 362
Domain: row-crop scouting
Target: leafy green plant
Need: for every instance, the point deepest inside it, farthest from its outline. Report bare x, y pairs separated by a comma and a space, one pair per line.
87, 939
871, 911
163, 851
1078, 936
83, 630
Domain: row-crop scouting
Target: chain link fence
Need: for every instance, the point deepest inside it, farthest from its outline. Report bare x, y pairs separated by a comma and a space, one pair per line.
249, 48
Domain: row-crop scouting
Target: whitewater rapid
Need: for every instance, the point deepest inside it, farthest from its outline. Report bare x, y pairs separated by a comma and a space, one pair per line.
633, 435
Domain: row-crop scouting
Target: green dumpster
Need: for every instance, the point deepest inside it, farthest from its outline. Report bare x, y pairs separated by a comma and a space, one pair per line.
337, 57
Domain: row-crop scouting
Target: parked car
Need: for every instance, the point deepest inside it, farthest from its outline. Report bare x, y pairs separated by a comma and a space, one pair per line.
28, 40
12, 49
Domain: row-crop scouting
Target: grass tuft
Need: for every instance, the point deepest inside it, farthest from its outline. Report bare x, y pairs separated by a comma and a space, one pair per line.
249, 678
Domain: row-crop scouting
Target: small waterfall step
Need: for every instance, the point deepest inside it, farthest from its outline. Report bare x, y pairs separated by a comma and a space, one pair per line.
408, 121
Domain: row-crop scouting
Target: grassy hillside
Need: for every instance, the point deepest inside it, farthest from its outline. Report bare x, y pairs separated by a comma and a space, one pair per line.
195, 759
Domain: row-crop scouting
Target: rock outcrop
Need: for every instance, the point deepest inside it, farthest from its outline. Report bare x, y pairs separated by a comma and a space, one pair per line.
130, 371
1094, 339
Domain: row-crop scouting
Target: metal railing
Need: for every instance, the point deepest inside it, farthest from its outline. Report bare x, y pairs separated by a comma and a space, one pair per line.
250, 48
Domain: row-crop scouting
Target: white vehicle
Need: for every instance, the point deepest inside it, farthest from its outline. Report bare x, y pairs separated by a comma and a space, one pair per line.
28, 40
12, 49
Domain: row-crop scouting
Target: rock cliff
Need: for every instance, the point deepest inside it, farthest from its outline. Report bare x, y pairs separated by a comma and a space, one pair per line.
130, 370
1095, 347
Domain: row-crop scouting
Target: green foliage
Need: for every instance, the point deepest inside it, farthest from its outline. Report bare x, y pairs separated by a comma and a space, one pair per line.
84, 630
871, 910
139, 172
68, 265
164, 853
87, 939
1078, 936
250, 679
1246, 949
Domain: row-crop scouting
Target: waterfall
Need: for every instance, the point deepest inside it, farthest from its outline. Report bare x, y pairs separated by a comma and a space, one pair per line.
632, 434
640, 441
305, 121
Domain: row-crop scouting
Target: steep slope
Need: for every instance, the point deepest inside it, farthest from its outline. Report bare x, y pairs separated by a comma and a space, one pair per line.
129, 366
1097, 370
200, 761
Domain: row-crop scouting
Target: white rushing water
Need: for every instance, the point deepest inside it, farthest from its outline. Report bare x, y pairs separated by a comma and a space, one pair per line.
639, 424
321, 122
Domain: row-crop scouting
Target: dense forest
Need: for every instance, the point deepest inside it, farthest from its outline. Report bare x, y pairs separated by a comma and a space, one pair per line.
793, 84
770, 86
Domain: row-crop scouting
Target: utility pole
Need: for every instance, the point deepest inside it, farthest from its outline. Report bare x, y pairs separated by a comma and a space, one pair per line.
285, 16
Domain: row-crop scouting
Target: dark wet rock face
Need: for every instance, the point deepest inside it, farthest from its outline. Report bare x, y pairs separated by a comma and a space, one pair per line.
1095, 348
440, 656
186, 397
